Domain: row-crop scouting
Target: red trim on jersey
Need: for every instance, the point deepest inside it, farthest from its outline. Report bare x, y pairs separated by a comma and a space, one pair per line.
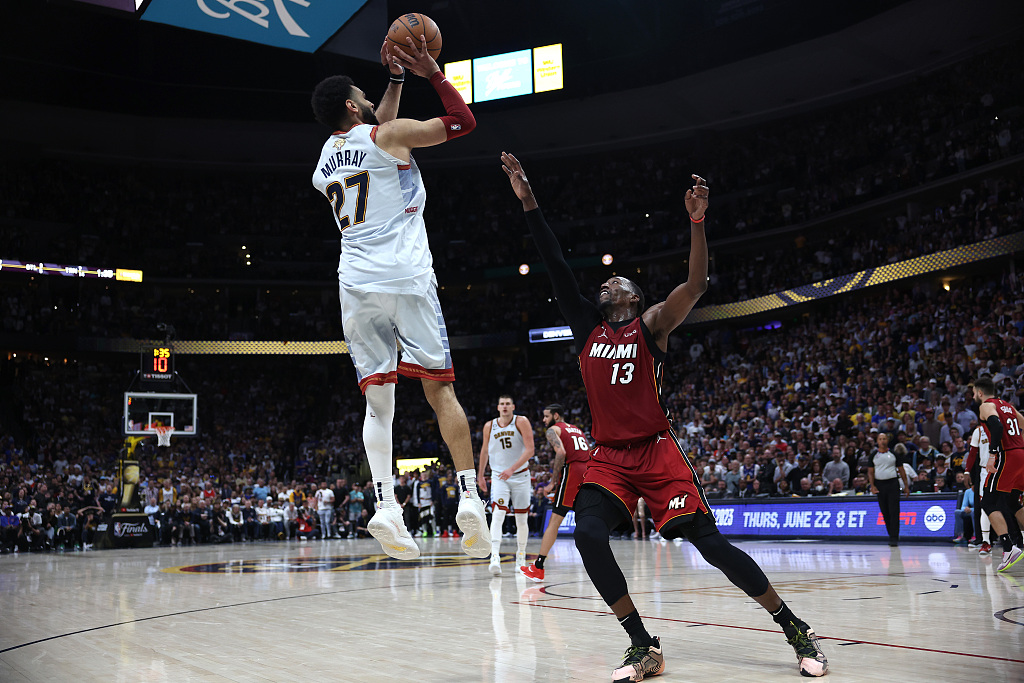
419, 372
404, 167
373, 134
378, 379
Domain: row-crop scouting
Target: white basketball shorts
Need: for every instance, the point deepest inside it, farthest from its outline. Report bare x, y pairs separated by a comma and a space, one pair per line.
390, 334
512, 494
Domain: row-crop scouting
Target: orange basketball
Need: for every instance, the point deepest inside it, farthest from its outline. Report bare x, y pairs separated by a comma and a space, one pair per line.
415, 25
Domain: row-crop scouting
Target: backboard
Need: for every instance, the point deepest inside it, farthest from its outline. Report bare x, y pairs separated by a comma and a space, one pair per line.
143, 410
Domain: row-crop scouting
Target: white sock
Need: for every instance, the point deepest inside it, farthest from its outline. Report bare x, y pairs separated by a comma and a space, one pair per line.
467, 483
497, 520
986, 526
384, 490
522, 531
380, 412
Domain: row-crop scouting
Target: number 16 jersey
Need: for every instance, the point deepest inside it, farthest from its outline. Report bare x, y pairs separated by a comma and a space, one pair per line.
378, 202
622, 371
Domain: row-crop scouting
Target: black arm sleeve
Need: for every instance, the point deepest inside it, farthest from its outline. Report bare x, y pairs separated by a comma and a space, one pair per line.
995, 432
582, 315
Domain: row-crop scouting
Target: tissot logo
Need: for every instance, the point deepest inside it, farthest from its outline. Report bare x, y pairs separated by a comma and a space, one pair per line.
296, 24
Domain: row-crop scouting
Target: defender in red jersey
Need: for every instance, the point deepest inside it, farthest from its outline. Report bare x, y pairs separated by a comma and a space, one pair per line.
621, 347
572, 451
1005, 466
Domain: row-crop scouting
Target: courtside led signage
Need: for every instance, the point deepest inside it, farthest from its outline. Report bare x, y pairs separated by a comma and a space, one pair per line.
302, 25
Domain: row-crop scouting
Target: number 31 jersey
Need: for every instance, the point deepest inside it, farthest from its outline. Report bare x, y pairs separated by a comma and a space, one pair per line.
378, 202
622, 371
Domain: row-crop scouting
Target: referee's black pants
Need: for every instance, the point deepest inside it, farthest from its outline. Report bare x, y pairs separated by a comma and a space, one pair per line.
889, 502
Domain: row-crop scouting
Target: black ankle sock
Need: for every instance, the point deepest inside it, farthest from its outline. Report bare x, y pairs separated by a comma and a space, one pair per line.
539, 562
784, 616
1007, 543
635, 628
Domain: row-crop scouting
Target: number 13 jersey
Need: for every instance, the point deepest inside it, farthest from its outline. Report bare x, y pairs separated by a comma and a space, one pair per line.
622, 371
378, 202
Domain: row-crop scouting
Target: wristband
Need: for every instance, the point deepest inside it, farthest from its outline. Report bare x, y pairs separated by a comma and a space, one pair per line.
700, 221
396, 78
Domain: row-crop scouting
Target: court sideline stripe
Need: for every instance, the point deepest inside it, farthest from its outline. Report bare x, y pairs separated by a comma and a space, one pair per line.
767, 630
209, 609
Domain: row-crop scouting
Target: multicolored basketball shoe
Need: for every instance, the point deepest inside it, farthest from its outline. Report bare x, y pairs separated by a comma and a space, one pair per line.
810, 659
1010, 559
640, 662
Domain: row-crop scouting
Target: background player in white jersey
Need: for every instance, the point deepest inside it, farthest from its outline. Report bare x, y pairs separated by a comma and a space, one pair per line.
386, 277
976, 463
508, 446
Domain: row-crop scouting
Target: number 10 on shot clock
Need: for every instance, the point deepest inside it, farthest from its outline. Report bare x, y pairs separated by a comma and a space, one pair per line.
157, 363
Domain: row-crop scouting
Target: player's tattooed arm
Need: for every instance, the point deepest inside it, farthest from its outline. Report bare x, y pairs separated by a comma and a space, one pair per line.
556, 445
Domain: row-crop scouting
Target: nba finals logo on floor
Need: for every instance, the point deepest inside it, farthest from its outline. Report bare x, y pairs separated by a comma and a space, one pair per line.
339, 563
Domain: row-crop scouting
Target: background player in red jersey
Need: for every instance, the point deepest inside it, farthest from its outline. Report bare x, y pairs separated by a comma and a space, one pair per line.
1006, 479
621, 349
571, 455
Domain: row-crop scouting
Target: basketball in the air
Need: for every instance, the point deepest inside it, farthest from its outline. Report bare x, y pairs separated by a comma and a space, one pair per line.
415, 25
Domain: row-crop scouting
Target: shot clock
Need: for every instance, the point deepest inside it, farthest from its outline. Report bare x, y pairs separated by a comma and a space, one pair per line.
157, 363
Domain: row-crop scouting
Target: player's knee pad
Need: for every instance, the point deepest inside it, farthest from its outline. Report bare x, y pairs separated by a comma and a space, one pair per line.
990, 502
591, 534
380, 402
737, 566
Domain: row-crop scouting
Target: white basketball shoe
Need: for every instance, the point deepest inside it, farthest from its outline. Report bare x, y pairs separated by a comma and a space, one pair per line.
388, 527
472, 520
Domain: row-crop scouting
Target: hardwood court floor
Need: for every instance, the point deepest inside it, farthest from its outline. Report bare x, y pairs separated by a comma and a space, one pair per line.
339, 611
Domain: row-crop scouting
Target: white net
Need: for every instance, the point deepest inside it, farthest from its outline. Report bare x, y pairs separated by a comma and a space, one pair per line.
163, 435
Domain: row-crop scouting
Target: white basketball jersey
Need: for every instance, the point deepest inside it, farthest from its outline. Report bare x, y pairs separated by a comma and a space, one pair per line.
506, 446
979, 440
378, 204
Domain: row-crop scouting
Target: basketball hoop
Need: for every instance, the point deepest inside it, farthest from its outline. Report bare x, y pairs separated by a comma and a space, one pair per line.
163, 435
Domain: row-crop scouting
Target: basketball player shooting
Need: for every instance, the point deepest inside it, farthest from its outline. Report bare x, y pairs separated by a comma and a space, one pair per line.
621, 348
386, 278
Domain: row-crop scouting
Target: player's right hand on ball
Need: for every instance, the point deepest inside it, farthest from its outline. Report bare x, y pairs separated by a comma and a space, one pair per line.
415, 58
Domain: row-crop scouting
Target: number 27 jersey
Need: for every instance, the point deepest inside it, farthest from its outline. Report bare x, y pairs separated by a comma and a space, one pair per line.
622, 371
378, 202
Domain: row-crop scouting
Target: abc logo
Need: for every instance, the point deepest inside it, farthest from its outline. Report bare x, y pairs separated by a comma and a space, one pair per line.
934, 518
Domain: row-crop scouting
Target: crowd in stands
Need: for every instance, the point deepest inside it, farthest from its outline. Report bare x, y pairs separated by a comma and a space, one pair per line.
791, 411
978, 211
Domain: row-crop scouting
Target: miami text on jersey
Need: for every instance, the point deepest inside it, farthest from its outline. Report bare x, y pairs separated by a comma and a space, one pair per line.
612, 350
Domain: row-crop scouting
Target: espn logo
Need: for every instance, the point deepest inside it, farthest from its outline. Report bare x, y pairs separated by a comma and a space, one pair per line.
678, 503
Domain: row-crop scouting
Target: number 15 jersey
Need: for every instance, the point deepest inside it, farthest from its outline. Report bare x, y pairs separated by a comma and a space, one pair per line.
622, 371
378, 202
